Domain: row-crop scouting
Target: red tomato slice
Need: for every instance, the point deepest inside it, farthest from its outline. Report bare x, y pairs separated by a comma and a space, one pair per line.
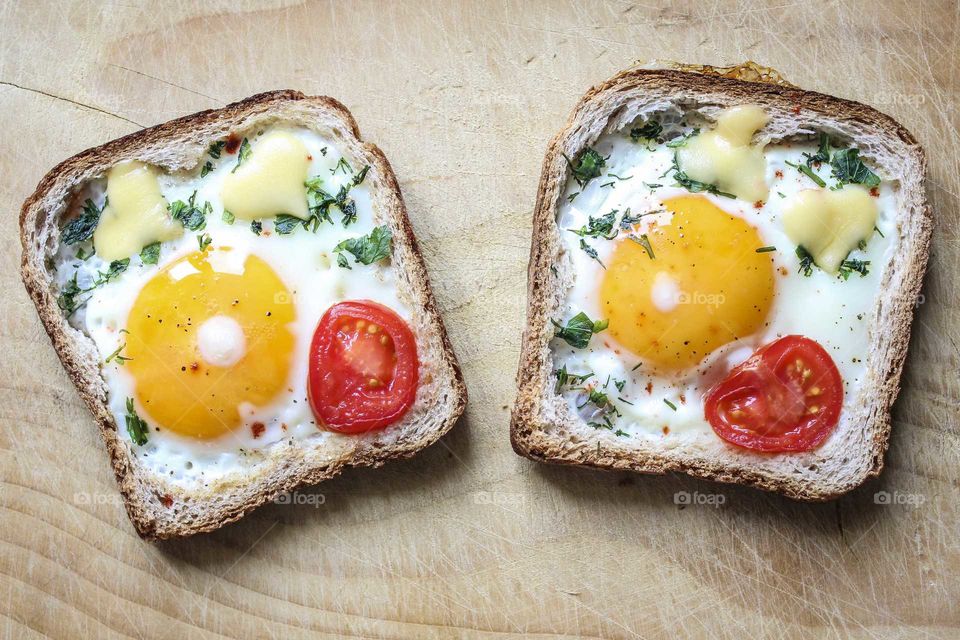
363, 367
785, 397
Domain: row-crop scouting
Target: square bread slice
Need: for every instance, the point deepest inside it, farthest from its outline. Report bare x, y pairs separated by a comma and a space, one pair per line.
547, 427
160, 509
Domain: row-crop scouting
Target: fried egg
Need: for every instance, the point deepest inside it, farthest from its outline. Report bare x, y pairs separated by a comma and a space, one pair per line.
688, 282
212, 342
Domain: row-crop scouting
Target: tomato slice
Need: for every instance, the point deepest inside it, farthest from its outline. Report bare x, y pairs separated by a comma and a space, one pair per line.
364, 368
785, 397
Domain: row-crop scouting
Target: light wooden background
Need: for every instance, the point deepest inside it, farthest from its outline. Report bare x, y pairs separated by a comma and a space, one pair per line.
468, 539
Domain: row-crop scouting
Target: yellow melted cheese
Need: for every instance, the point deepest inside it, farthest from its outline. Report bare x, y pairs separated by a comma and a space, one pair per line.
724, 156
271, 181
830, 224
136, 213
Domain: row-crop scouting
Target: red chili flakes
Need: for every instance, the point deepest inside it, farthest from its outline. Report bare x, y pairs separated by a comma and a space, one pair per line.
783, 271
778, 173
309, 157
796, 109
257, 428
283, 425
875, 192
666, 429
194, 366
683, 399
233, 143
758, 204
649, 387
166, 500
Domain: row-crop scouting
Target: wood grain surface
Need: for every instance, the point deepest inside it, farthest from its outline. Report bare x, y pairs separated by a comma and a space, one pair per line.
468, 539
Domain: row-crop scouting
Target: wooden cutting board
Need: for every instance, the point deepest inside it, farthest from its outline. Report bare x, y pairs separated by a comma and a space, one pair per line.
468, 539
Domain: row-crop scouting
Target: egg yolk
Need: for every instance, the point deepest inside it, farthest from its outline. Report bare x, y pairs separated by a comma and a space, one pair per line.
192, 381
701, 285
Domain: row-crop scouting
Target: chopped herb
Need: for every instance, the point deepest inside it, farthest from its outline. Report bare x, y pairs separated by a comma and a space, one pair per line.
849, 168
806, 261
228, 217
189, 214
600, 227
113, 271
766, 249
83, 255
256, 226
367, 249
573, 196
682, 140
589, 166
320, 202
669, 404
67, 300
342, 261
694, 186
286, 224
206, 168
878, 231
627, 221
849, 266
82, 227
644, 242
613, 175
620, 432
136, 427
862, 245
596, 397
619, 384
204, 240
215, 148
781, 194
360, 176
590, 251
150, 254
807, 171
243, 154
653, 186
650, 130
607, 184
342, 165
564, 378
822, 156
579, 329
116, 356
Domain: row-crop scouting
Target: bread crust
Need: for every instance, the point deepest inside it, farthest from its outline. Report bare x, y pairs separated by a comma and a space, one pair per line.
151, 513
551, 439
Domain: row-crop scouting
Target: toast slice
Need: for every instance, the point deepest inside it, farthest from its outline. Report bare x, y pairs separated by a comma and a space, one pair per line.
547, 427
160, 508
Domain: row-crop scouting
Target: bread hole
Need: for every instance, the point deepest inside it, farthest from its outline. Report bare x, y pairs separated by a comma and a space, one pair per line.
813, 467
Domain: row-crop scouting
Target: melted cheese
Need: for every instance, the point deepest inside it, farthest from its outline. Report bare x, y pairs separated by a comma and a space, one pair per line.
271, 181
135, 215
830, 224
724, 156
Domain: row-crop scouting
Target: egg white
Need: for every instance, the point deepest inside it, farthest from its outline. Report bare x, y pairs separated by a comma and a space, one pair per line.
303, 260
834, 312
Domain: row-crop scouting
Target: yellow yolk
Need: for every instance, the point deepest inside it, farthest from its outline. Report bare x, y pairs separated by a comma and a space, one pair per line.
178, 388
704, 287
